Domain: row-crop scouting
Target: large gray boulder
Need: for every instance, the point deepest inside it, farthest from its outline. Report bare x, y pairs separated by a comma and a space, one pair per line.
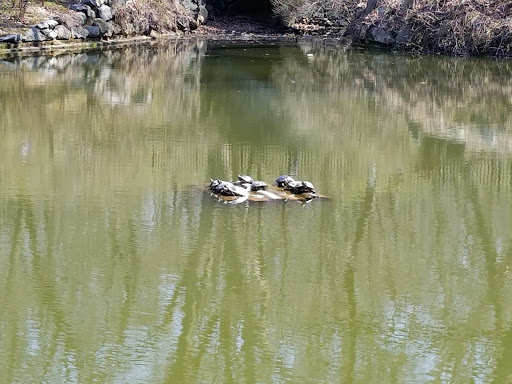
62, 32
11, 38
34, 35
47, 24
50, 34
93, 3
106, 28
80, 17
84, 9
81, 33
105, 13
93, 31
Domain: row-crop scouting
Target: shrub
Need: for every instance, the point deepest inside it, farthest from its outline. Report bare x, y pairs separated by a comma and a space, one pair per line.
453, 27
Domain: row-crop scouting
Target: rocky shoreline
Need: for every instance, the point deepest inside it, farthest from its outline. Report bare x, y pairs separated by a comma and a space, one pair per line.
217, 31
90, 19
91, 23
412, 27
50, 35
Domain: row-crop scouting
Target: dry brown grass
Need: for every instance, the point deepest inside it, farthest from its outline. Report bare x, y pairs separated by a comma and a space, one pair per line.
140, 17
16, 14
451, 27
454, 27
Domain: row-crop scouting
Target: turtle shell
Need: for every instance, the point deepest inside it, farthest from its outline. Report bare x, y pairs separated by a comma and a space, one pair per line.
245, 179
284, 180
303, 187
226, 189
308, 186
258, 185
292, 185
214, 184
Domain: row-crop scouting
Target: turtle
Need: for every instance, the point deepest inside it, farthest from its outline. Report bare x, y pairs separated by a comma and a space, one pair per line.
245, 179
221, 187
303, 187
258, 185
292, 185
227, 188
214, 184
284, 180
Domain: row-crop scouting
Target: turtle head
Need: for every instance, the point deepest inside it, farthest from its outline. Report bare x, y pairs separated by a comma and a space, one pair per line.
214, 183
245, 179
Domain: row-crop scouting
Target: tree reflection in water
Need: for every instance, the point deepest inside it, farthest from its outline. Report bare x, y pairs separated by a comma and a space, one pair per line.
117, 267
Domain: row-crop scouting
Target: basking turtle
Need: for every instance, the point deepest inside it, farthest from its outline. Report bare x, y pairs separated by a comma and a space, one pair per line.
292, 185
221, 187
284, 180
245, 179
227, 188
303, 187
214, 184
258, 185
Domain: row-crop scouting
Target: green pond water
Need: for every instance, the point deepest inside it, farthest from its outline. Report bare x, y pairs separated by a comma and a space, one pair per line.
117, 267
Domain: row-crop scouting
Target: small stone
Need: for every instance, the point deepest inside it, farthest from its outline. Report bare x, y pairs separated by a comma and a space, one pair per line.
117, 29
193, 24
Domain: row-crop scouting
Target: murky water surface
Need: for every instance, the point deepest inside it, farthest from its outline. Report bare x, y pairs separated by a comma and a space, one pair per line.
117, 267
